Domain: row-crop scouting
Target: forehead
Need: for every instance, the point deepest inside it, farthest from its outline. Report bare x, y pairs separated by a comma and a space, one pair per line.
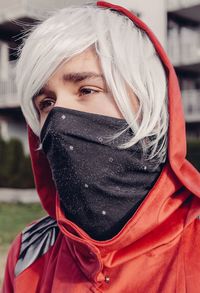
85, 61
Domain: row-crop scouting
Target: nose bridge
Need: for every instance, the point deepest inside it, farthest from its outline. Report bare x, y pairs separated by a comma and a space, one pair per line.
67, 98
63, 96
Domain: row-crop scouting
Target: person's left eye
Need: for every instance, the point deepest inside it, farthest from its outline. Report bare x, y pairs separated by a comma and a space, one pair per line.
87, 91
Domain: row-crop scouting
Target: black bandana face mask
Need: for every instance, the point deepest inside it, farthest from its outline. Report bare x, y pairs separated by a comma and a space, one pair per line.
99, 186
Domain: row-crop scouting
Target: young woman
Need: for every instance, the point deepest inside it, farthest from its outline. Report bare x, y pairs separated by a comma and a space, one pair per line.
107, 142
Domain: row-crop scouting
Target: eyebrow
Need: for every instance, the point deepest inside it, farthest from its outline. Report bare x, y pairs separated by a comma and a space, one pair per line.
74, 77
80, 76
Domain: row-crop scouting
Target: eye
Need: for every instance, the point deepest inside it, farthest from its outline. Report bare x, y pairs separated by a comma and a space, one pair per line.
87, 91
46, 104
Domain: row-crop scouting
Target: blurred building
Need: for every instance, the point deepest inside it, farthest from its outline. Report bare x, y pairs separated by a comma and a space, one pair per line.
183, 39
13, 13
175, 26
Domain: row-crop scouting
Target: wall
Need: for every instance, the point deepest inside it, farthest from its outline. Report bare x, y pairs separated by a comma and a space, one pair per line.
153, 14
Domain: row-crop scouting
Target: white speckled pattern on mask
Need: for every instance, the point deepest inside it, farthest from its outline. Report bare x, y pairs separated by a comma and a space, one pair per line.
100, 186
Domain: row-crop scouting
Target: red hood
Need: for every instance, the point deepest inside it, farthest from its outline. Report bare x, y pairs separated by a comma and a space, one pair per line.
172, 203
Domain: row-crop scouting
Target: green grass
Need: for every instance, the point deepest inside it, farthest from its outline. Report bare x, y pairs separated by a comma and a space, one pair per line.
14, 217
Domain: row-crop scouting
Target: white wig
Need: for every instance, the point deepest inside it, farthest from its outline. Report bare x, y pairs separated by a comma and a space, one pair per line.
127, 56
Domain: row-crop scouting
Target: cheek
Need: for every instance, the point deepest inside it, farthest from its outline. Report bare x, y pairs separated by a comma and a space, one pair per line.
106, 105
133, 99
43, 117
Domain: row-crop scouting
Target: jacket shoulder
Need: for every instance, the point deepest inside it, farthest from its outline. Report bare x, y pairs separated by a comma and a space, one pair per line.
36, 240
12, 257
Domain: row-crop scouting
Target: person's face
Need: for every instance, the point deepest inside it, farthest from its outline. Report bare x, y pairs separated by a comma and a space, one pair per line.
79, 84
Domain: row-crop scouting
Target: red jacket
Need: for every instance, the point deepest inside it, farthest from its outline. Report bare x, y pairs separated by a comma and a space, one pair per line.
158, 250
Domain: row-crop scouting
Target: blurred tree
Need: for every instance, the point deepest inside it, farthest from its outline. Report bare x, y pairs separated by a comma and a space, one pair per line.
3, 161
193, 153
15, 167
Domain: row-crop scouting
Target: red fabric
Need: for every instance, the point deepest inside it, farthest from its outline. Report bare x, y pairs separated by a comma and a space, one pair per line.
9, 276
156, 251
